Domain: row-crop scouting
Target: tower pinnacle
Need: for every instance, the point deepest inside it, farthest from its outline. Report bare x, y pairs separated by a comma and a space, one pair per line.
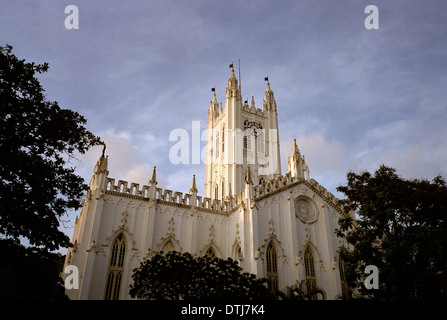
193, 188
154, 176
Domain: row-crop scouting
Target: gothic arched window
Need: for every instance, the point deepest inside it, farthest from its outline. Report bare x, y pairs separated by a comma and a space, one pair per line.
309, 267
223, 189
116, 268
217, 143
223, 139
261, 141
272, 268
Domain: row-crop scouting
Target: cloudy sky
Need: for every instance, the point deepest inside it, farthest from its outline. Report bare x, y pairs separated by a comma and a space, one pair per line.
353, 98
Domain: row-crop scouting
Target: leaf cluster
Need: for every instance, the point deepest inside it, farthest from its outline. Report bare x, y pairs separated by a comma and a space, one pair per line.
401, 228
184, 276
37, 140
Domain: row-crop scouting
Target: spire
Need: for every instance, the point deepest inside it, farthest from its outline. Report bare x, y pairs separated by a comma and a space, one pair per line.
214, 105
102, 164
232, 89
295, 149
269, 98
154, 176
100, 172
297, 164
232, 82
193, 185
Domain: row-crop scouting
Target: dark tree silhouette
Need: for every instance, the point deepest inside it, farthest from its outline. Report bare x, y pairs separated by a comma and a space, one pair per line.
183, 276
400, 228
37, 139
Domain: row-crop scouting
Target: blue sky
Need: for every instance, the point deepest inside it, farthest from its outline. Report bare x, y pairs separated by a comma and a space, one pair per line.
353, 98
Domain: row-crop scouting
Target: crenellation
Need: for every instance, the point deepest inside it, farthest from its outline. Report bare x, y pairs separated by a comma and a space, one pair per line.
122, 186
178, 197
135, 189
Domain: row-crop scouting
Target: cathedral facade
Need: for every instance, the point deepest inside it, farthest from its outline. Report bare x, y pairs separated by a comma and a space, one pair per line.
278, 226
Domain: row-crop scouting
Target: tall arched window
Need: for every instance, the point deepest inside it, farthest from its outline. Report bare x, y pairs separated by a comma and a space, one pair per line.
217, 143
116, 268
272, 268
223, 189
169, 246
261, 141
223, 139
309, 266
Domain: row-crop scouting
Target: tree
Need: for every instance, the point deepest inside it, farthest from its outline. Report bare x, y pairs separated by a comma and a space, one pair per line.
183, 276
401, 229
37, 140
299, 291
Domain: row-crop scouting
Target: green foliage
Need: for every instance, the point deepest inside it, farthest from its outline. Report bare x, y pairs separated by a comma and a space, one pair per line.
401, 229
183, 276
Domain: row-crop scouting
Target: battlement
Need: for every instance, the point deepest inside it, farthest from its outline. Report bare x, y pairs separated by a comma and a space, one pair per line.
253, 110
261, 191
122, 188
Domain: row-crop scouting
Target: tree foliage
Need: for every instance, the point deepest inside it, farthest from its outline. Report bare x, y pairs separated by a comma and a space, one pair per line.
183, 276
400, 228
301, 291
37, 188
36, 139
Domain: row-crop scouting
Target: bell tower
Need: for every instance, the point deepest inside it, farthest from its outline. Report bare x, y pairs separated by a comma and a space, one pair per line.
240, 136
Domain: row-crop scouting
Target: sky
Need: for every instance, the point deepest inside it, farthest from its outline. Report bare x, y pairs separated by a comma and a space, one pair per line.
354, 98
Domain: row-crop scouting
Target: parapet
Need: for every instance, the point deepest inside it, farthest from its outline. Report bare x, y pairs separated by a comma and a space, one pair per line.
121, 188
267, 188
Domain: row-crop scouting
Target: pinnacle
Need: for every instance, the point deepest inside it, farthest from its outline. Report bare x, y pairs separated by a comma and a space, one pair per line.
193, 186
154, 176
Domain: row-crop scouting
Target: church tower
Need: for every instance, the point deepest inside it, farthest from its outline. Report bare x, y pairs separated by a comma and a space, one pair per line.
240, 136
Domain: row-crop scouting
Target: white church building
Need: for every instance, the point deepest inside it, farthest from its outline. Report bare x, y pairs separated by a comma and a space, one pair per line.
278, 226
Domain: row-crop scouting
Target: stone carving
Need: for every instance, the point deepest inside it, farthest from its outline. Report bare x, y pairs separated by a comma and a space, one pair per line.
305, 210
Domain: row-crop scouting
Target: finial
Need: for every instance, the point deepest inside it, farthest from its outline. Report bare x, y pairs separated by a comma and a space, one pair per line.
193, 186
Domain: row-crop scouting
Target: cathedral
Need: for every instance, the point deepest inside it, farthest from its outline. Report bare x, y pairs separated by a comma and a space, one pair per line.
277, 226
